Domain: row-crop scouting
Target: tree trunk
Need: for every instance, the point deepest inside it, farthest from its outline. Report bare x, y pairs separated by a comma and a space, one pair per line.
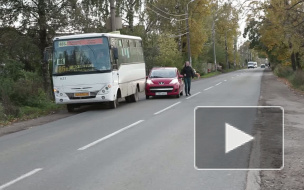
131, 16
43, 43
293, 61
298, 61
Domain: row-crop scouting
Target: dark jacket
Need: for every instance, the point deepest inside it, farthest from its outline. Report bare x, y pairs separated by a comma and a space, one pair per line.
188, 71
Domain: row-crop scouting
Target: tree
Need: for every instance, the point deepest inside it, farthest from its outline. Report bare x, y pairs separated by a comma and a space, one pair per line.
128, 8
38, 17
168, 54
280, 31
19, 47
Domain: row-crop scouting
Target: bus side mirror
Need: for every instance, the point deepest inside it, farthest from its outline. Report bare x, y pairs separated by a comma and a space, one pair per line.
45, 57
115, 53
47, 54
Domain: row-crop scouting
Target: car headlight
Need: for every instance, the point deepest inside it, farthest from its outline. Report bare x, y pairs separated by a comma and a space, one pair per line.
149, 81
174, 81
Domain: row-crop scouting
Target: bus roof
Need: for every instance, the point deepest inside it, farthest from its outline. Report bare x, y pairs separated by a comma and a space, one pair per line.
92, 35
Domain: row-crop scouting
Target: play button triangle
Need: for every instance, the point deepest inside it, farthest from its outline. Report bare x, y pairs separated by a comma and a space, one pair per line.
235, 138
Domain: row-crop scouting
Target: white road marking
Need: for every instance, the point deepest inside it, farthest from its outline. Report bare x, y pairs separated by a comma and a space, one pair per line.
225, 80
193, 95
20, 178
166, 108
209, 88
218, 84
110, 135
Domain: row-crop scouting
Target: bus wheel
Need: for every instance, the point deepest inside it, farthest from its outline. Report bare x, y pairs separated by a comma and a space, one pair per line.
135, 97
70, 107
128, 99
114, 104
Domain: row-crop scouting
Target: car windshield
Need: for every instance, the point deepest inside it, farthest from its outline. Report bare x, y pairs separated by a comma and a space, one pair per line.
163, 73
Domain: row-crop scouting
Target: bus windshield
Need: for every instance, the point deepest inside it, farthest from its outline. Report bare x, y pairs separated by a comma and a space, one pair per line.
80, 56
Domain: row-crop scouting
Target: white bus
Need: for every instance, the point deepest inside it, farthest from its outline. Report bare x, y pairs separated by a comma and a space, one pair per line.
97, 67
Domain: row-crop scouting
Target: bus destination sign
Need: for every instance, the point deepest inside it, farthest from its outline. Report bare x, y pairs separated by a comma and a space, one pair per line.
83, 42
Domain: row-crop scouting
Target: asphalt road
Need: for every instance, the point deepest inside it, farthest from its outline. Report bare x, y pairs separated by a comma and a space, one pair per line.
143, 145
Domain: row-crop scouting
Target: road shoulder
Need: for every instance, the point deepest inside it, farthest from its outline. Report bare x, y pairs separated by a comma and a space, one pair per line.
23, 125
276, 93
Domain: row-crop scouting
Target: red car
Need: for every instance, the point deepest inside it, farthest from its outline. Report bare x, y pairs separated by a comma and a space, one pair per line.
164, 81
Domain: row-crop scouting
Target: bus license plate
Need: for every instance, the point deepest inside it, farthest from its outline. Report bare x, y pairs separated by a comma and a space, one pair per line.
161, 93
82, 94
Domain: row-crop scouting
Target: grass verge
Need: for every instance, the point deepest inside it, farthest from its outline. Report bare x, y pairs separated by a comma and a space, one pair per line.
210, 74
295, 78
28, 112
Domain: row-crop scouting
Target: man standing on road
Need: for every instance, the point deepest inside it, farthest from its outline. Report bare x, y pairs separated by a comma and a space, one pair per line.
188, 73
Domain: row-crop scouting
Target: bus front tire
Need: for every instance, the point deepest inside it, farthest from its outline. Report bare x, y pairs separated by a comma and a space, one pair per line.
128, 99
70, 108
114, 104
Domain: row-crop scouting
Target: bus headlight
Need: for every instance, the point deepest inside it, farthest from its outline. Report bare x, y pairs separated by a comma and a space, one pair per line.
105, 90
56, 91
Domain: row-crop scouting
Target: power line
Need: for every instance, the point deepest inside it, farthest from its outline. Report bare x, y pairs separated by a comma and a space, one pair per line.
174, 36
165, 16
166, 12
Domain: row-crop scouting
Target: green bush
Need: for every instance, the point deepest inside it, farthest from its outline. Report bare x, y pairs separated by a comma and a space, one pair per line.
283, 71
28, 90
19, 89
2, 114
11, 70
298, 79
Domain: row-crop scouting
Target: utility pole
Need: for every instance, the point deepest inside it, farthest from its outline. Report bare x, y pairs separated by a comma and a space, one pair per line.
226, 48
188, 35
112, 6
235, 48
188, 32
177, 7
213, 36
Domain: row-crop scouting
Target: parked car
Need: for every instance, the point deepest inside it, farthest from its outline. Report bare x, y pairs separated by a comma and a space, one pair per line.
263, 66
251, 65
164, 81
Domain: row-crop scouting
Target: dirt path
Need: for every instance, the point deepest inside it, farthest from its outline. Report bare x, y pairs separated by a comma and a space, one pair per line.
275, 92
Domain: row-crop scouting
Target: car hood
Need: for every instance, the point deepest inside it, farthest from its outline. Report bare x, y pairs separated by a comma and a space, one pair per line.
160, 80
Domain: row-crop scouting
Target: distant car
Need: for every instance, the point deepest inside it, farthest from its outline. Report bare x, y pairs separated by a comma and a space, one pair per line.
251, 65
255, 64
263, 66
164, 81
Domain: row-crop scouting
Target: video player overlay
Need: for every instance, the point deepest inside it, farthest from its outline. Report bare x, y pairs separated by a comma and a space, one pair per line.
239, 138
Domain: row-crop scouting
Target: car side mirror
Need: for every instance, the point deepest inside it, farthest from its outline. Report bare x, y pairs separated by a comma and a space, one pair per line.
146, 77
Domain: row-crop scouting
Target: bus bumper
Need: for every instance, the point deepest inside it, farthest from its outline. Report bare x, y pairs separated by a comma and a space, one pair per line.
82, 100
